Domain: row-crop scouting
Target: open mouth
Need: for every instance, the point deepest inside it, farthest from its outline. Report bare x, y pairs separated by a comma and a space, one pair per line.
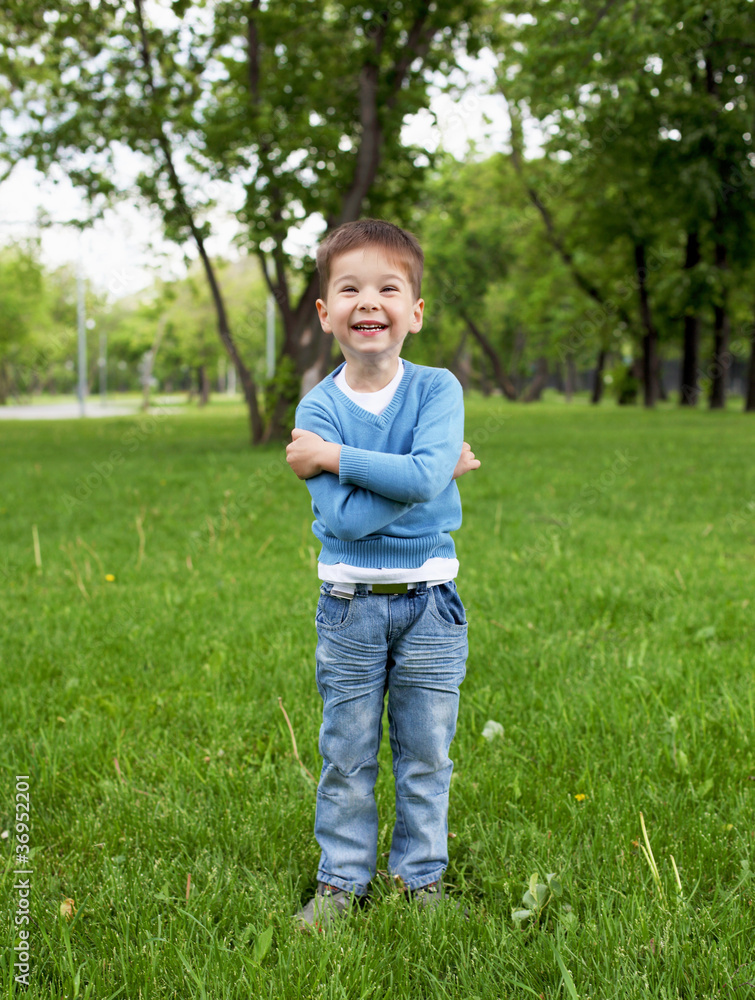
369, 327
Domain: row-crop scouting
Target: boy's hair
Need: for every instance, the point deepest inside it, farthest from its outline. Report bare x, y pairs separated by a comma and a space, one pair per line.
371, 232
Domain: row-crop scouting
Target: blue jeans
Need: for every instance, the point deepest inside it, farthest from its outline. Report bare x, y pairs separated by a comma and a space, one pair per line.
414, 646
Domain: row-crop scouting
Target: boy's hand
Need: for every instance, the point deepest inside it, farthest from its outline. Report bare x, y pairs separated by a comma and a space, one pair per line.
309, 455
467, 462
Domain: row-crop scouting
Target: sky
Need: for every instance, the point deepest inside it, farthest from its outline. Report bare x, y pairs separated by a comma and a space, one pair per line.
124, 251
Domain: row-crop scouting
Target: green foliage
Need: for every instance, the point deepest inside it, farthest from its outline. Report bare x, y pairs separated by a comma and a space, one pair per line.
38, 323
21, 282
625, 385
649, 111
488, 261
541, 897
267, 96
294, 113
283, 388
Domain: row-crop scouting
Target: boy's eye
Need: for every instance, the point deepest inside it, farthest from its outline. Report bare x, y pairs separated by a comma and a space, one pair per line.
386, 288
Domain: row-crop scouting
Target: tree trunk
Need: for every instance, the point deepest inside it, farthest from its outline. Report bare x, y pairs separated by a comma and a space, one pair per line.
181, 204
149, 364
203, 384
3, 383
662, 391
534, 390
689, 390
597, 382
750, 397
461, 364
502, 380
650, 338
570, 380
304, 344
515, 363
721, 360
462, 369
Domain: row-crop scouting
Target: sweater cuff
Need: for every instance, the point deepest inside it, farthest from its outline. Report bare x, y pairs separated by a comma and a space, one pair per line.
353, 467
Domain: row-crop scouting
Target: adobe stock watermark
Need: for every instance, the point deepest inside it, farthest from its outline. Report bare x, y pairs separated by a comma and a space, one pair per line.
131, 440
22, 884
590, 493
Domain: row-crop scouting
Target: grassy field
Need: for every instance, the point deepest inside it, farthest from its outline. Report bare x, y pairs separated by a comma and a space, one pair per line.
608, 568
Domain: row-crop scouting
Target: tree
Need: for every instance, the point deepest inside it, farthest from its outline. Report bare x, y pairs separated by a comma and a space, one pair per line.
21, 284
301, 104
496, 281
650, 106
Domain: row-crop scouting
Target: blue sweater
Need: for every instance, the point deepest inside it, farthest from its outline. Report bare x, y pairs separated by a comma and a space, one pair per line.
395, 501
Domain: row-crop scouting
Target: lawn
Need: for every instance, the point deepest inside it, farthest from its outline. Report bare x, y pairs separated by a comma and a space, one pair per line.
159, 584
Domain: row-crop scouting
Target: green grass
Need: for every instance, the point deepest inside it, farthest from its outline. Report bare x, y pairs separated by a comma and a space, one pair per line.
608, 564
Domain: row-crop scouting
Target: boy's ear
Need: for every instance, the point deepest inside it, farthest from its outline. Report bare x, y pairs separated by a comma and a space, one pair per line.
419, 308
322, 312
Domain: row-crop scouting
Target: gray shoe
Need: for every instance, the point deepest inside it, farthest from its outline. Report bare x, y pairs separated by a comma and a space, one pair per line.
329, 904
429, 897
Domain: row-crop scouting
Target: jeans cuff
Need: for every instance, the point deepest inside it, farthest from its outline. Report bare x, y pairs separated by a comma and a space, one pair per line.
420, 881
355, 888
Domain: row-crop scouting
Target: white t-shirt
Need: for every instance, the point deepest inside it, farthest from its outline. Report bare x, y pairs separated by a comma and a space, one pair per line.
433, 571
375, 402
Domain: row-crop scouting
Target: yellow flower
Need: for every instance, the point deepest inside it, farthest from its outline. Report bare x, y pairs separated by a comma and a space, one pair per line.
110, 578
580, 797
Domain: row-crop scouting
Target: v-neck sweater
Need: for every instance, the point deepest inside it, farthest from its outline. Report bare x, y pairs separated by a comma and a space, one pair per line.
395, 502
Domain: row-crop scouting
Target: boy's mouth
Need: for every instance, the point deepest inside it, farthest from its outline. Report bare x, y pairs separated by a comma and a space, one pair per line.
369, 327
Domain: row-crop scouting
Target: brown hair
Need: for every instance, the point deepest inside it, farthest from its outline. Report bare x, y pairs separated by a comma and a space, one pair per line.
371, 232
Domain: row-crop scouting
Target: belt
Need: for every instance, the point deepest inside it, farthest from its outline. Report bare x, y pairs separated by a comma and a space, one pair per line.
347, 589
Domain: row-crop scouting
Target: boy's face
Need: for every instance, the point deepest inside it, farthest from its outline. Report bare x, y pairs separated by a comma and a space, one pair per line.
370, 307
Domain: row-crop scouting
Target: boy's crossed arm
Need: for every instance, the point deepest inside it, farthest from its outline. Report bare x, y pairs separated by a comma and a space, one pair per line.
309, 455
437, 456
350, 512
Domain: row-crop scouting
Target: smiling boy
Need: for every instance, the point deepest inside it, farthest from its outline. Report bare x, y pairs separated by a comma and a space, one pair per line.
380, 444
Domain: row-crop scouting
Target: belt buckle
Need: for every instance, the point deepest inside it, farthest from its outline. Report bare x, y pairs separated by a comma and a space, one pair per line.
390, 588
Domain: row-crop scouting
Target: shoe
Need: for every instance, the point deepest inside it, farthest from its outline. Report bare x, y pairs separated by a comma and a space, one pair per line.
429, 897
329, 904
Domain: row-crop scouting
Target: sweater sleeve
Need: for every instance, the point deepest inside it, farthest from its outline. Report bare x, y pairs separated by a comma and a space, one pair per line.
426, 471
347, 511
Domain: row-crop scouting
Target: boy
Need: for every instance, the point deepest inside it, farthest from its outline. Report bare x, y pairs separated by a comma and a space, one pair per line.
380, 444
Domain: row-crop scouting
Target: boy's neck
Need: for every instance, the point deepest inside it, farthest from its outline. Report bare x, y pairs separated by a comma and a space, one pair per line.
370, 377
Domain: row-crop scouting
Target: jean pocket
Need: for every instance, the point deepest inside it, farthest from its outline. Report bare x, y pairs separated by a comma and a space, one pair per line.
447, 606
332, 612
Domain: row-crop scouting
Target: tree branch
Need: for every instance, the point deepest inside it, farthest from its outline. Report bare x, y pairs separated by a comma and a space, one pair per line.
553, 237
250, 390
504, 382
